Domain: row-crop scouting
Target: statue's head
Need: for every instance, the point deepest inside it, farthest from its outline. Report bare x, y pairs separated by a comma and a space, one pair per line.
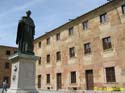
28, 13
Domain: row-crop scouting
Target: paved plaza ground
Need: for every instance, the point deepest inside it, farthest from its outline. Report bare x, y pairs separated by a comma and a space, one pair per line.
1, 90
53, 91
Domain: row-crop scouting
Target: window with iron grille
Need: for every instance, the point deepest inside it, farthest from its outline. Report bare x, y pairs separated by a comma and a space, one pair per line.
123, 9
71, 31
8, 52
73, 77
103, 18
48, 58
39, 62
58, 56
7, 65
39, 81
58, 36
110, 74
48, 78
72, 52
48, 41
107, 43
85, 25
39, 44
87, 48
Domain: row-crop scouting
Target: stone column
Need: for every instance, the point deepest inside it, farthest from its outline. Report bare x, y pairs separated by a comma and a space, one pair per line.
23, 73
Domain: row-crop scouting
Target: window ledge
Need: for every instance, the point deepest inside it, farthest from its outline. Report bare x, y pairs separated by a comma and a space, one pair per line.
86, 30
47, 63
104, 23
108, 50
88, 54
72, 57
71, 35
111, 83
73, 84
58, 61
48, 83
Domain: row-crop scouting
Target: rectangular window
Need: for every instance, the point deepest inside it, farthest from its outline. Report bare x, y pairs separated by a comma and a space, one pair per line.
103, 18
39, 44
70, 31
48, 78
72, 52
8, 52
39, 81
7, 65
58, 56
123, 9
73, 77
58, 36
107, 43
39, 61
48, 88
48, 41
110, 74
87, 48
48, 58
85, 25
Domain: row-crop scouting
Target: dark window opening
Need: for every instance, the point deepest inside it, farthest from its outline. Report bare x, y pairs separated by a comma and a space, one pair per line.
72, 52
48, 78
123, 9
110, 74
58, 36
48, 88
48, 41
39, 81
39, 44
107, 43
7, 65
7, 52
103, 18
39, 62
58, 56
85, 25
87, 48
71, 31
48, 59
73, 77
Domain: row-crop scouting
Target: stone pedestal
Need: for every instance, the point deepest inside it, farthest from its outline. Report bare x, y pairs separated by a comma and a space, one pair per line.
23, 73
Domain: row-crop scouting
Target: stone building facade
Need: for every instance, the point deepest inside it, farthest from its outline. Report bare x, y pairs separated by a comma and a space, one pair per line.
84, 53
5, 66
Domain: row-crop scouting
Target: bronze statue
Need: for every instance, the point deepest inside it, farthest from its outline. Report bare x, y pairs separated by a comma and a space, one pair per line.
25, 34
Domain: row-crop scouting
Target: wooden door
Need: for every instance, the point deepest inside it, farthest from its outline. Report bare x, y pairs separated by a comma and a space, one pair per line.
59, 80
89, 80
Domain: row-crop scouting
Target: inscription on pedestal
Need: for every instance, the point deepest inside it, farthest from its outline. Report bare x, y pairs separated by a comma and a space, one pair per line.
23, 73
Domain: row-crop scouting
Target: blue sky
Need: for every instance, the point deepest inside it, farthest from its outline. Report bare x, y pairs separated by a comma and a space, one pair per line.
47, 15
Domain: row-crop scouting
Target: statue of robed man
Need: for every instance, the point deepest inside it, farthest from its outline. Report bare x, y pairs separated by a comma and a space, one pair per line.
25, 34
